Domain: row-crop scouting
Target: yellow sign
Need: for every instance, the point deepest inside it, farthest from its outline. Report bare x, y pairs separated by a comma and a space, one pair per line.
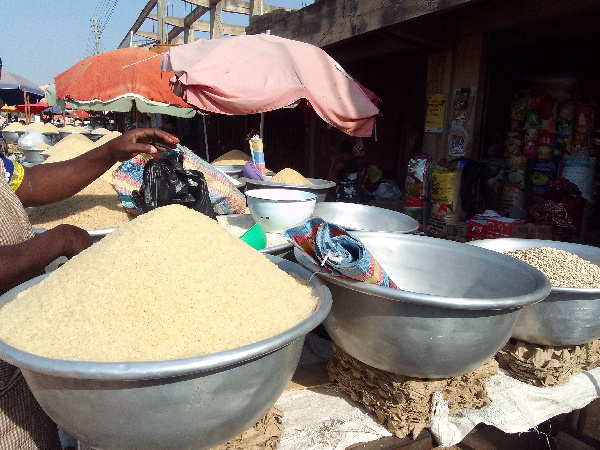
436, 108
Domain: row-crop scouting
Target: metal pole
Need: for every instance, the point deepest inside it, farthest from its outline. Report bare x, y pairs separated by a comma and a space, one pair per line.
96, 35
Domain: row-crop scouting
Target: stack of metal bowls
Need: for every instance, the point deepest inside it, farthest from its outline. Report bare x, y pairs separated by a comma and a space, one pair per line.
196, 402
568, 316
456, 305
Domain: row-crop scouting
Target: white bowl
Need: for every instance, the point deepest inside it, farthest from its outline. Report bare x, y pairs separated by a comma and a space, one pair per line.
34, 155
279, 209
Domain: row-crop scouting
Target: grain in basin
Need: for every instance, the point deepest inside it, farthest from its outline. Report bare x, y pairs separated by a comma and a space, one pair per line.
290, 176
170, 284
562, 268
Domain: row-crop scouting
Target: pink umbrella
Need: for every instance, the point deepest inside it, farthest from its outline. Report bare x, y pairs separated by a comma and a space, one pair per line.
257, 73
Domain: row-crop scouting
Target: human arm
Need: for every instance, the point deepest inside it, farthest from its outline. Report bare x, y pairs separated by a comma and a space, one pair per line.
23, 261
49, 183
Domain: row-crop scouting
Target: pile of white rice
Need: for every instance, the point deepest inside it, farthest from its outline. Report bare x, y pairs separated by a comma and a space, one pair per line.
170, 284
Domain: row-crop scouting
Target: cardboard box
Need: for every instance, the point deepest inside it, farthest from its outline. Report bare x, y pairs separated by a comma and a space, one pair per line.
526, 231
457, 230
477, 229
503, 224
531, 231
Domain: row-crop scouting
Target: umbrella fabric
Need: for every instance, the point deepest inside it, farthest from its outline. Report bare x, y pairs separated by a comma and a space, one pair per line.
118, 79
55, 110
257, 73
337, 252
50, 91
34, 108
12, 87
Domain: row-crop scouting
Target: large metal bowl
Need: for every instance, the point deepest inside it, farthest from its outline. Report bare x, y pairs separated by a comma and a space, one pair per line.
187, 403
456, 307
353, 216
318, 187
96, 234
568, 316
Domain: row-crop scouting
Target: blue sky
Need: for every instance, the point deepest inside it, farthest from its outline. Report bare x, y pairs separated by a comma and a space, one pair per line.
41, 38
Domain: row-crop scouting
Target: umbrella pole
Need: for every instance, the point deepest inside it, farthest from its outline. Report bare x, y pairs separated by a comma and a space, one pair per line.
205, 137
262, 124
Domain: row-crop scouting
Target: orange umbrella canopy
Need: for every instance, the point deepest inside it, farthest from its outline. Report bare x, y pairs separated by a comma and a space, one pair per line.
115, 80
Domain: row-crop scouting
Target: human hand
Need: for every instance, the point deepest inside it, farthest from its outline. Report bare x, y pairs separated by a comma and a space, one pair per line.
73, 239
138, 141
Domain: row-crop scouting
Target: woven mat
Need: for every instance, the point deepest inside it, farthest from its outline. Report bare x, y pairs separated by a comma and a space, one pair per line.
403, 403
265, 435
542, 365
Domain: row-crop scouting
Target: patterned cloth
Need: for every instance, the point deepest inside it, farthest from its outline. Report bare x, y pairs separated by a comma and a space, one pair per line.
14, 223
23, 423
339, 253
224, 196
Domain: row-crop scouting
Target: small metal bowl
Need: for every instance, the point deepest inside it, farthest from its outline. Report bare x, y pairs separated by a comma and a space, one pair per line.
456, 307
186, 403
568, 316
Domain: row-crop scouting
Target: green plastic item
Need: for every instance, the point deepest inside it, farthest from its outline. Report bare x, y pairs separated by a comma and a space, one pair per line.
255, 237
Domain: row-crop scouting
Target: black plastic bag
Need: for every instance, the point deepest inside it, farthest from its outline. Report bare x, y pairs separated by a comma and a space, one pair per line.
166, 182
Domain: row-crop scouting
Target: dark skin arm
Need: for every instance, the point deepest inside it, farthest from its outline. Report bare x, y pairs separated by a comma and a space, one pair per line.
49, 183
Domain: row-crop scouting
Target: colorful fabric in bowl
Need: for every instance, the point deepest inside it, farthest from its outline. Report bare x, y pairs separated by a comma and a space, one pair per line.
337, 252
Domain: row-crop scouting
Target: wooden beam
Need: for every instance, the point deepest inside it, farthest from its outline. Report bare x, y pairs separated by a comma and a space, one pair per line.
216, 20
202, 25
138, 23
237, 6
162, 28
327, 21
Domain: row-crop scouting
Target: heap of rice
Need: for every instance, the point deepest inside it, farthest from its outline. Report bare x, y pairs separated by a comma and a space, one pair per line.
69, 147
43, 127
101, 131
169, 284
232, 158
289, 176
15, 126
76, 144
96, 206
74, 129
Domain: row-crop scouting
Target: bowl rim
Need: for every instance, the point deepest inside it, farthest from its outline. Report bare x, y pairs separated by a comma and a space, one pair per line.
93, 232
432, 300
145, 370
266, 194
358, 207
318, 184
531, 243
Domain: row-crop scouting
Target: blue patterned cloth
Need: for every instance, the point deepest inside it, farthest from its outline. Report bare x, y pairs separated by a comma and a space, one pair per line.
338, 252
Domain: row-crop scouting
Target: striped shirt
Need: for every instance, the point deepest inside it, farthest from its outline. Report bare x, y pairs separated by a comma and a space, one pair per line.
14, 223
23, 423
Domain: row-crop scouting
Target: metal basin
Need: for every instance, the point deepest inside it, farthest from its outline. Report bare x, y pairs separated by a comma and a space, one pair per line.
568, 316
353, 216
318, 187
96, 234
188, 403
453, 312
10, 137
